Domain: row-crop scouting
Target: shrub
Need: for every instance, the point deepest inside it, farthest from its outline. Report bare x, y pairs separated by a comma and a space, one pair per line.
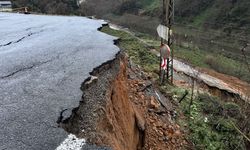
232, 110
210, 105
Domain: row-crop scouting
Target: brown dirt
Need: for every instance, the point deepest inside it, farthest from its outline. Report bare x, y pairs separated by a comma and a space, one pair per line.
119, 109
161, 132
118, 127
232, 82
132, 120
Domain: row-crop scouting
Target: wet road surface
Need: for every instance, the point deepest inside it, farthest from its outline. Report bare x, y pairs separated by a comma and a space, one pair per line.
43, 61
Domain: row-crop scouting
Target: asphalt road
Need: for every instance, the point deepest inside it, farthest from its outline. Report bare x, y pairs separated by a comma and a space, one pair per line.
43, 61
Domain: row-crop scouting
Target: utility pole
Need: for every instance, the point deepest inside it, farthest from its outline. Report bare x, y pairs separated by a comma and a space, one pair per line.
168, 20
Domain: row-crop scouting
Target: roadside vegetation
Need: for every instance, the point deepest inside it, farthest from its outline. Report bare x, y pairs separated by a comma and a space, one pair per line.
209, 123
62, 7
217, 62
189, 54
136, 50
211, 35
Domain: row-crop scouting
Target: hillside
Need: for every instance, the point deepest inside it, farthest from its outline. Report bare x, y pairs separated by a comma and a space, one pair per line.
64, 7
203, 28
228, 15
233, 14
209, 36
123, 103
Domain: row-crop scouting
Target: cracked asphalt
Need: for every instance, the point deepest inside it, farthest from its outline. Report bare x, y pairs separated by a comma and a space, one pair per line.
43, 61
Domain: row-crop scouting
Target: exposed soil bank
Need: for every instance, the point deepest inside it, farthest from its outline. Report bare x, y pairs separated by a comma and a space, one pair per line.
225, 85
121, 109
105, 116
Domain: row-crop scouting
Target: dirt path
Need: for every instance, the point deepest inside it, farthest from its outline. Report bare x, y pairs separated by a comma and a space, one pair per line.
239, 86
209, 77
214, 79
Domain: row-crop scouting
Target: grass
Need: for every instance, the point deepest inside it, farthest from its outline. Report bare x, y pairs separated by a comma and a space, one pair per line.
200, 19
150, 5
218, 62
136, 50
188, 53
209, 122
195, 57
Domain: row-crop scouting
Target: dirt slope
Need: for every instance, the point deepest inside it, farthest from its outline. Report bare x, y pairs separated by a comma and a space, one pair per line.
120, 110
242, 87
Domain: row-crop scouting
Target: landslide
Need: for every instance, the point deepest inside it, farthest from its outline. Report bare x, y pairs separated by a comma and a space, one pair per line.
120, 110
105, 116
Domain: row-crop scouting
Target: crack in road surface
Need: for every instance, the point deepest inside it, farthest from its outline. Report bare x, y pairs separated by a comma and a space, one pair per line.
66, 54
25, 69
19, 40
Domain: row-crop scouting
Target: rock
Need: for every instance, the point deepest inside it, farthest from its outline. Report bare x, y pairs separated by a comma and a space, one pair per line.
153, 103
159, 125
173, 140
164, 126
165, 138
177, 133
141, 83
170, 130
161, 133
90, 80
140, 121
154, 128
151, 120
177, 126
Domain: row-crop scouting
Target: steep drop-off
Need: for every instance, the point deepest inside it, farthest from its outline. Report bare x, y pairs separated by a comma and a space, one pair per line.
121, 109
105, 115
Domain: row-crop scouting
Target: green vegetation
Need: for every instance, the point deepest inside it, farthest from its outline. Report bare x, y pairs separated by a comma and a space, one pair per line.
136, 50
201, 18
218, 62
214, 13
202, 13
210, 122
150, 7
64, 7
213, 30
213, 26
196, 57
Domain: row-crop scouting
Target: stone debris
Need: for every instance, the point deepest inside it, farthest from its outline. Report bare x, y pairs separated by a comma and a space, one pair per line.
160, 132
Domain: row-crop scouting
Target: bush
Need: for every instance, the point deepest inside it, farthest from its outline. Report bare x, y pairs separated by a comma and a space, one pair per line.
225, 125
209, 127
131, 6
232, 110
210, 104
